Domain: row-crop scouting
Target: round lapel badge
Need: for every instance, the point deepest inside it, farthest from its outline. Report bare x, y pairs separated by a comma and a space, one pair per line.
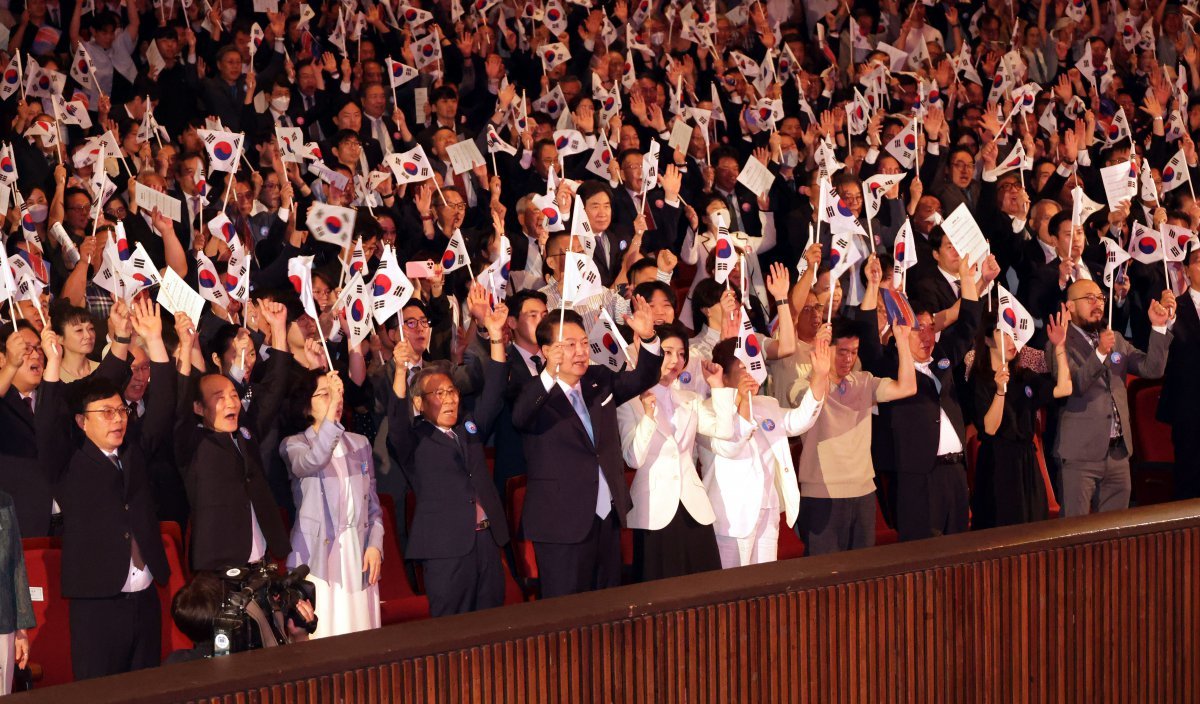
470, 427
685, 378
245, 433
943, 364
1115, 357
768, 425
1028, 392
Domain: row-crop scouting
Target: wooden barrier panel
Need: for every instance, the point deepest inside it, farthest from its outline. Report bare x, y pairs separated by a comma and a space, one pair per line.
1095, 609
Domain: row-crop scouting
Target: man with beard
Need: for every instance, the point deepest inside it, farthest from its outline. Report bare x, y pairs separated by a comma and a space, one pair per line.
1094, 438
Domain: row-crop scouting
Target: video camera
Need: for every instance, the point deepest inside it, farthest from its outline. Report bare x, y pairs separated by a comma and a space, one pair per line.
258, 603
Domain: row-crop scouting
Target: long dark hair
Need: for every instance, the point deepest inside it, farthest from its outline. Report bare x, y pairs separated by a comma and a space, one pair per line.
297, 407
981, 367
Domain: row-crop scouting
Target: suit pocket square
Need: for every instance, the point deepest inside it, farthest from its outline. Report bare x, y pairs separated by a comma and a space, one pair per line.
607, 400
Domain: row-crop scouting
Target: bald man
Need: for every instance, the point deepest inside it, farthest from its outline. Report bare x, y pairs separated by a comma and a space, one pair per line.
1094, 441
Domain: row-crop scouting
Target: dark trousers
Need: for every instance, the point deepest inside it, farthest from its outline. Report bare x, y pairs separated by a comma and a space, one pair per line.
1186, 472
932, 504
116, 634
836, 525
593, 563
681, 547
475, 581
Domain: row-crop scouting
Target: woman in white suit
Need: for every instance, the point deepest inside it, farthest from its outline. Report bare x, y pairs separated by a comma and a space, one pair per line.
339, 527
671, 516
750, 477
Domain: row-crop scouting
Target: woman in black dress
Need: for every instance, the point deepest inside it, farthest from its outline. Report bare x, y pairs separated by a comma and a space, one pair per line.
1008, 481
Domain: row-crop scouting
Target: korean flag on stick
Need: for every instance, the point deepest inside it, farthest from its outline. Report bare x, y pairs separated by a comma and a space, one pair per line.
724, 253
390, 288
874, 190
355, 302
904, 145
605, 343
904, 255
237, 273
82, 68
400, 73
750, 350
331, 223
1012, 318
224, 149
411, 166
1114, 257
456, 256
211, 287
300, 275
1176, 173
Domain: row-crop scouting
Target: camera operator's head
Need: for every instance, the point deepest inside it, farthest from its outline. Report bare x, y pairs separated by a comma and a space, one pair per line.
196, 605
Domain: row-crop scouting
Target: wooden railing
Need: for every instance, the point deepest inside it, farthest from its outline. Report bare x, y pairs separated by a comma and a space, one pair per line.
1102, 608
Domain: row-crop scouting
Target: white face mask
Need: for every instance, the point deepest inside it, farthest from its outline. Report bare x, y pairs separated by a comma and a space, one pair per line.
228, 15
281, 104
39, 213
716, 214
791, 158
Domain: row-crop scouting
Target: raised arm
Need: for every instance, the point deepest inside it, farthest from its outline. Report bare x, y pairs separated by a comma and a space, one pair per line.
146, 320
305, 459
905, 383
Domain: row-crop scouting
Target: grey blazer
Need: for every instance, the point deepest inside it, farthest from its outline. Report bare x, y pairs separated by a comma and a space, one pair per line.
16, 609
1085, 419
316, 490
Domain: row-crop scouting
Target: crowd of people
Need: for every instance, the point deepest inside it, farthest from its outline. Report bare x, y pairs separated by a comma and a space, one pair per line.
265, 262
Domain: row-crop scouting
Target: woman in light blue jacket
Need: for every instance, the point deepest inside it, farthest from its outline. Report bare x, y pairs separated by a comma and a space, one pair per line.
338, 531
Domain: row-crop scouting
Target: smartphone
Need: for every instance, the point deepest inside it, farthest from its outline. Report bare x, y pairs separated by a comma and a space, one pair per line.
419, 270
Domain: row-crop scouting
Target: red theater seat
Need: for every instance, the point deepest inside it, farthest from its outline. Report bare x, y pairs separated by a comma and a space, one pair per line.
1153, 451
790, 544
172, 638
398, 601
50, 641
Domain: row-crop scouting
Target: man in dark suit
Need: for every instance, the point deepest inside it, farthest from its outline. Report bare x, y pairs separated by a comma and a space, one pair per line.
1181, 383
928, 432
19, 475
940, 288
612, 240
577, 499
112, 548
663, 207
743, 204
235, 521
1094, 437
226, 95
459, 525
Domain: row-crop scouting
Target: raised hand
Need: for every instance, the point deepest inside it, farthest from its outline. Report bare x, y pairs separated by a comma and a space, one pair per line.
146, 319
1056, 327
714, 375
778, 282
641, 322
494, 320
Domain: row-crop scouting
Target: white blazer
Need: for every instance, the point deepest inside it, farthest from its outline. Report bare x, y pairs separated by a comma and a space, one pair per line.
734, 469
666, 461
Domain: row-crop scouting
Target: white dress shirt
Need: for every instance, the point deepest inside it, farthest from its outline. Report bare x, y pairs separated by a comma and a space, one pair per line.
137, 579
948, 440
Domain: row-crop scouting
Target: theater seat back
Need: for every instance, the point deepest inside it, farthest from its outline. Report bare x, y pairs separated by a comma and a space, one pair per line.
50, 641
398, 601
1151, 437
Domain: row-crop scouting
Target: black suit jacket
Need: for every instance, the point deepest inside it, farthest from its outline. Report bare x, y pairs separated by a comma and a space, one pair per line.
20, 475
223, 481
105, 508
619, 239
562, 460
916, 421
931, 288
448, 477
1181, 383
664, 217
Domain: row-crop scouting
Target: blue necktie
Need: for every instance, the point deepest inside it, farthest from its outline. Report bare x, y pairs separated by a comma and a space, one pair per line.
582, 411
603, 493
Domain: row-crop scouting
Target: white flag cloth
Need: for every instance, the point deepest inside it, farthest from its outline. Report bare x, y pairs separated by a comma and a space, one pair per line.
331, 223
1114, 257
355, 301
411, 166
82, 68
548, 207
601, 157
581, 225
456, 256
400, 73
904, 145
300, 275
1175, 241
427, 50
843, 254
211, 287
569, 142
874, 189
12, 77
221, 227
724, 253
1012, 318
224, 149
390, 288
1145, 245
1118, 129
554, 55
1176, 173
552, 103
1016, 159
237, 272
606, 346
290, 140
858, 113
8, 166
496, 144
494, 276
904, 253
750, 349
581, 279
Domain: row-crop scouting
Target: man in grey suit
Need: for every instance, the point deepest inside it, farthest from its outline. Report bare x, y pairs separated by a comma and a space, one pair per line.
1093, 434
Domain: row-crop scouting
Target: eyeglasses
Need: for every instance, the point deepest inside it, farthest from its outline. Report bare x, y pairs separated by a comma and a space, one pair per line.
116, 213
414, 323
1091, 298
456, 206
78, 207
963, 164
443, 394
111, 414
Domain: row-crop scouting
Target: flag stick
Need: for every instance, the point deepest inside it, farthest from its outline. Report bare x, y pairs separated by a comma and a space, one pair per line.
1000, 348
562, 306
1110, 296
21, 77
12, 309
439, 189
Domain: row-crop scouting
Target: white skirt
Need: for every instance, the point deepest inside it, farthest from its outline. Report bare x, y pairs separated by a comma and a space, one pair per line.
346, 607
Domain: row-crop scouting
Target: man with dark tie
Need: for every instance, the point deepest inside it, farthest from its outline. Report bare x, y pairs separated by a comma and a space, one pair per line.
459, 525
1094, 436
235, 520
112, 548
577, 499
19, 476
928, 432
